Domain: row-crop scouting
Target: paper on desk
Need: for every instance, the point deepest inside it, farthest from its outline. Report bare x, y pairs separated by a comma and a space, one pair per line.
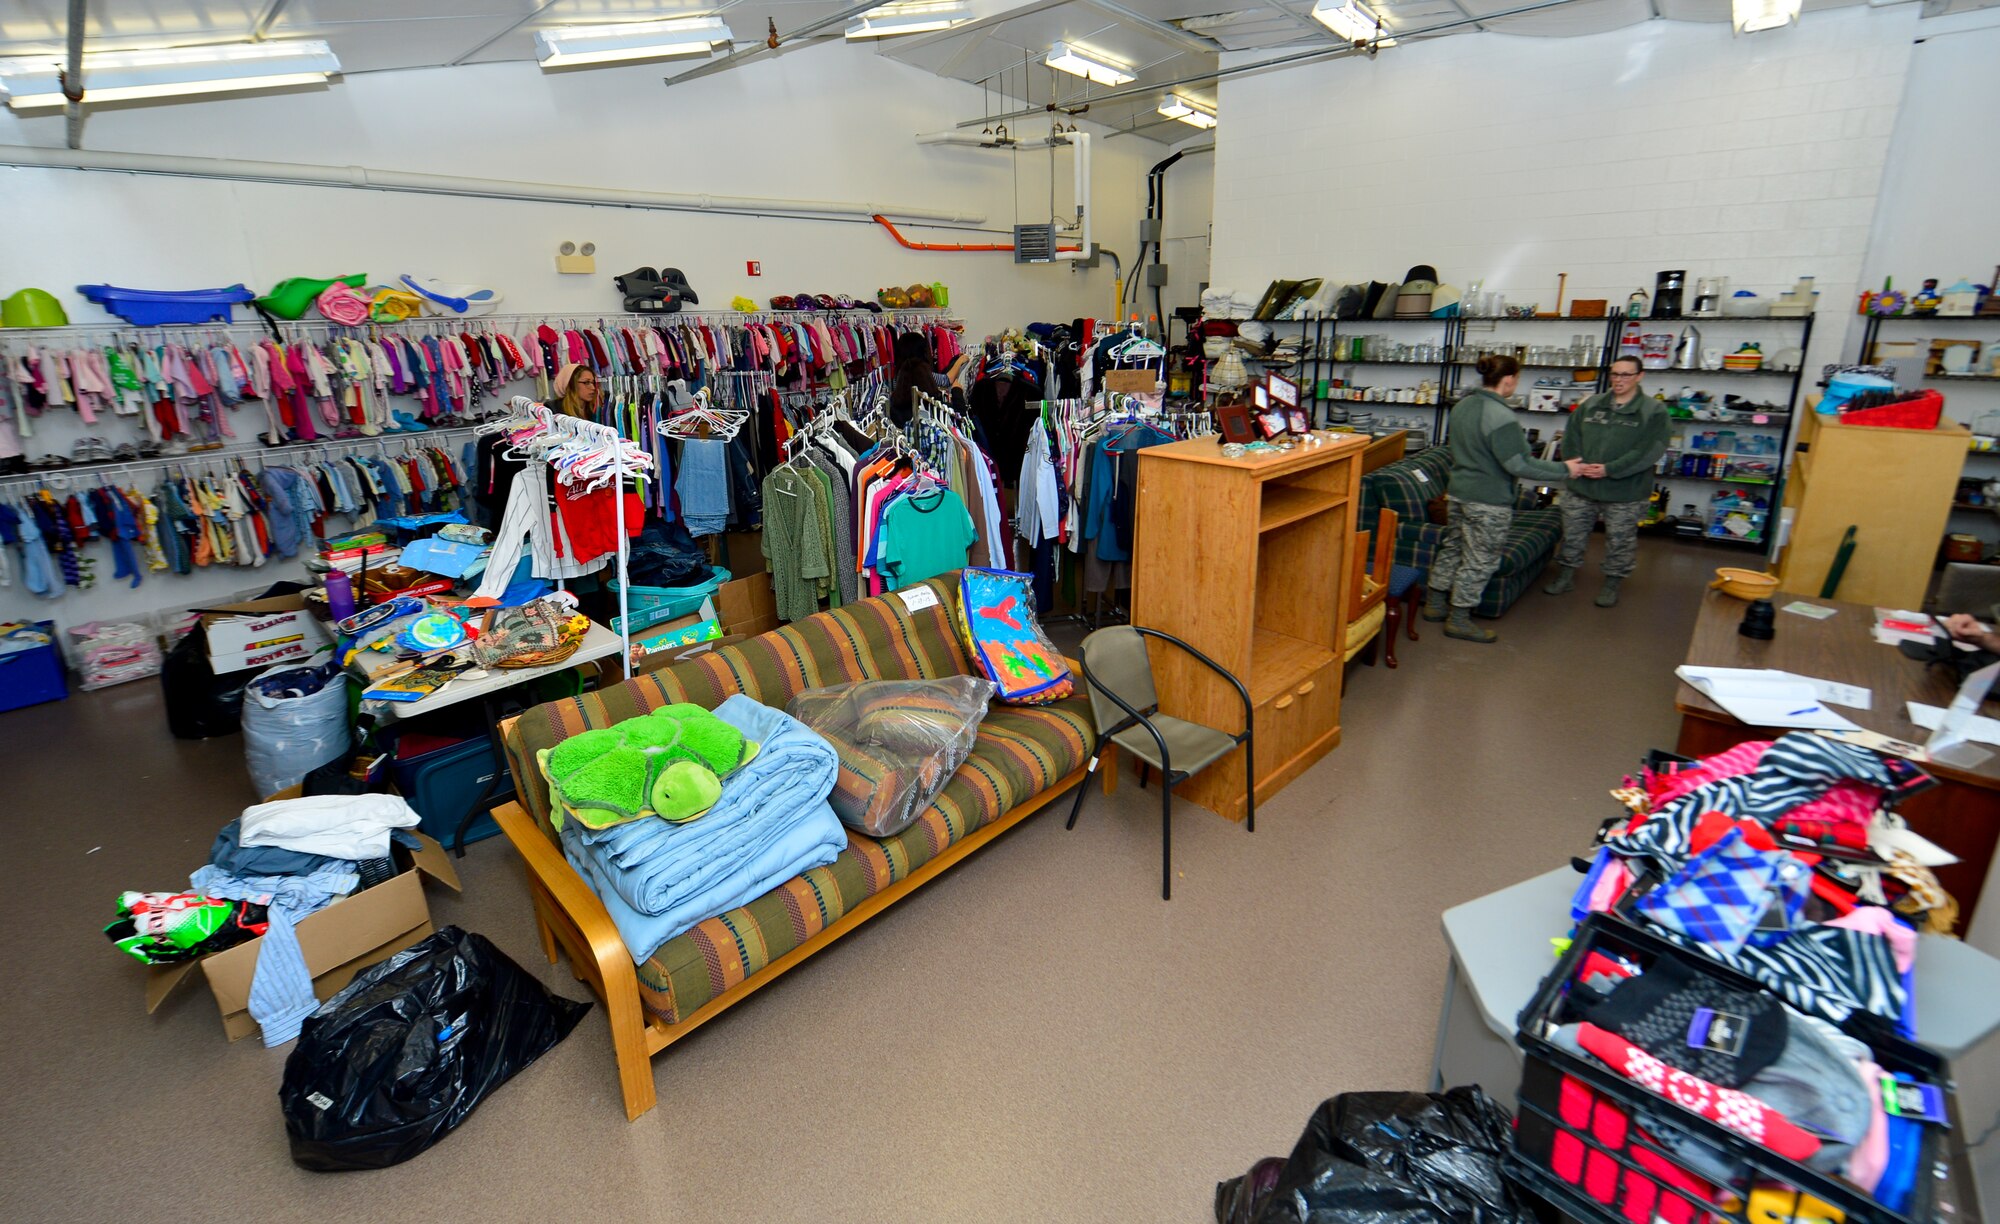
1833, 692
1977, 727
1766, 698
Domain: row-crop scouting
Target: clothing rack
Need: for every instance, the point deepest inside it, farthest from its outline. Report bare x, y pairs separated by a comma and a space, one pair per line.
460, 323
310, 452
630, 461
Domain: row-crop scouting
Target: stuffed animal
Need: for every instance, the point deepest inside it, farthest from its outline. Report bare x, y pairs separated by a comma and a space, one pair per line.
669, 763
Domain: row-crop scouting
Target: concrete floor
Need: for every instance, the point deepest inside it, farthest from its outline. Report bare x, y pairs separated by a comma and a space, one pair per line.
1037, 1036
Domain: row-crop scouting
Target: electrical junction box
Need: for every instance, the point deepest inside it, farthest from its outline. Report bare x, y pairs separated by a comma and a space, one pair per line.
1035, 243
1149, 230
1156, 275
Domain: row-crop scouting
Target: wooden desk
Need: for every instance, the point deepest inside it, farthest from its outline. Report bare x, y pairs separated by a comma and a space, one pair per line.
1962, 813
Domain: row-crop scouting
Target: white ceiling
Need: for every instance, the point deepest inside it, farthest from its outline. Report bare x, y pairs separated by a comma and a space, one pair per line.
1160, 41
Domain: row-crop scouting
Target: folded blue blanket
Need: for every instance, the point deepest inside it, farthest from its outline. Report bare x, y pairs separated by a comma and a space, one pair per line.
773, 821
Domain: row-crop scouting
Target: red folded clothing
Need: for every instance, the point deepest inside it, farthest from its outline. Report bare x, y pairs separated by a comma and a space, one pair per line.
1726, 1107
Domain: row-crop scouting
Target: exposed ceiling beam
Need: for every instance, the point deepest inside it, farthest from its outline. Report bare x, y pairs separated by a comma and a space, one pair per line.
963, 53
1284, 61
262, 30
736, 59
541, 8
1476, 20
1166, 30
920, 41
1306, 24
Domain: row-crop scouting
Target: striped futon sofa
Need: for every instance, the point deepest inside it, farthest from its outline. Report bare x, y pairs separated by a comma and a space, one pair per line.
1407, 486
1023, 758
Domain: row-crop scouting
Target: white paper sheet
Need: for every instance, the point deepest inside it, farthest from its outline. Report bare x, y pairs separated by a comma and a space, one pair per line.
1765, 698
1978, 727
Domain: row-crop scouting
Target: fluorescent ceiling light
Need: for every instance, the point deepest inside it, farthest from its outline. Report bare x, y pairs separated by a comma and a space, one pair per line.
1751, 16
570, 46
919, 18
1351, 21
1066, 58
34, 82
1187, 110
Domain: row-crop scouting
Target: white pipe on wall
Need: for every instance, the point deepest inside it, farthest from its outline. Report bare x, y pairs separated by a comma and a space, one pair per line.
444, 184
1083, 209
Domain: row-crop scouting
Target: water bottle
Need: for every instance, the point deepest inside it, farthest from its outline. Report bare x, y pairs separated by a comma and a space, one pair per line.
340, 595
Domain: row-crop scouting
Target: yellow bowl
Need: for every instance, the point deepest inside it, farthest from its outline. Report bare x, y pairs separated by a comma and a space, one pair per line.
1745, 584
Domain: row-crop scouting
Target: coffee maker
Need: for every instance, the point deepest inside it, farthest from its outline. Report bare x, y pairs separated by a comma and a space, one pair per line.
1708, 293
1667, 293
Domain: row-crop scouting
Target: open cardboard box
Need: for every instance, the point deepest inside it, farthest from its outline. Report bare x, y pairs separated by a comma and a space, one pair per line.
747, 605
260, 632
339, 941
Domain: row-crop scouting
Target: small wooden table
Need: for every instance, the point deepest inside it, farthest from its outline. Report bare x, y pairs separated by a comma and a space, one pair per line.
1961, 814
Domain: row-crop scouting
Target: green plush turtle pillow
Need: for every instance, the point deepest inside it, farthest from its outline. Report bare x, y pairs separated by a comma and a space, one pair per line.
669, 763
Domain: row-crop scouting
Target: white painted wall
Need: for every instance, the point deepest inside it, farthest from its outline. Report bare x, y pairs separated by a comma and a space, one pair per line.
1943, 170
1936, 217
1610, 157
829, 122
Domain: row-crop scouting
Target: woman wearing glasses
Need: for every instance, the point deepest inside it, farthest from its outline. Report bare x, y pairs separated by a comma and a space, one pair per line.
1620, 434
577, 385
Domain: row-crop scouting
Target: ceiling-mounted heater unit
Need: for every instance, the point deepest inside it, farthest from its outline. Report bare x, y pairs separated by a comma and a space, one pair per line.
1035, 243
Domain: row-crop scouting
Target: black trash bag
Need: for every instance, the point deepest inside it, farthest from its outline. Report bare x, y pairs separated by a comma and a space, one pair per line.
1240, 1200
392, 1064
201, 704
1394, 1158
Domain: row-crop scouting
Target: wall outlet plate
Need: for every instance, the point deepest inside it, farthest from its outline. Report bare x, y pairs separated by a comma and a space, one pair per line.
576, 265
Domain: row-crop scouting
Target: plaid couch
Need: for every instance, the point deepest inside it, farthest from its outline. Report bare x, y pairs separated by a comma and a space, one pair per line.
1407, 486
1021, 751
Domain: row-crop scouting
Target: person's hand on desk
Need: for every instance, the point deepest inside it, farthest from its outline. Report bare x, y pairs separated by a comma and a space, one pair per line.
1966, 628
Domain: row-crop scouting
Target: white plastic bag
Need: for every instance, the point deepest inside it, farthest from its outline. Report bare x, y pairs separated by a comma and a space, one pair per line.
899, 743
286, 738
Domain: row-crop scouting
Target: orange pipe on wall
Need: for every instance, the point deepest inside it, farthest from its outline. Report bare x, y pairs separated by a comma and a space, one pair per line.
950, 246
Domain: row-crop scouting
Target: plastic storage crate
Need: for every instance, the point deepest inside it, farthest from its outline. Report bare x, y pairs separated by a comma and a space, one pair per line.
1599, 1147
440, 783
649, 606
33, 674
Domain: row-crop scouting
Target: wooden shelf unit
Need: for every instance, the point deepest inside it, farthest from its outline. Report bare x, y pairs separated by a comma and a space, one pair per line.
1894, 486
1246, 560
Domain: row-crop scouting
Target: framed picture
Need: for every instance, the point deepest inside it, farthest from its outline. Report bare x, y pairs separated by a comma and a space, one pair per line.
1283, 390
1273, 423
1235, 422
1301, 424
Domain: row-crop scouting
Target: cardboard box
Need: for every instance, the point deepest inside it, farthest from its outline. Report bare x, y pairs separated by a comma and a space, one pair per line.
677, 654
339, 941
261, 632
743, 552
747, 605
700, 625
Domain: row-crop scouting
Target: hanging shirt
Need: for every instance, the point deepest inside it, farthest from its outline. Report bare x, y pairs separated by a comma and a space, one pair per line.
924, 535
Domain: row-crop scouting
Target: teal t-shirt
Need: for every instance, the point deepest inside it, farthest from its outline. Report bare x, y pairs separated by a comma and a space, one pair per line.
924, 535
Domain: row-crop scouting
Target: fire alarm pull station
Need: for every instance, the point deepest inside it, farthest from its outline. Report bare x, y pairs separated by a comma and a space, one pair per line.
754, 266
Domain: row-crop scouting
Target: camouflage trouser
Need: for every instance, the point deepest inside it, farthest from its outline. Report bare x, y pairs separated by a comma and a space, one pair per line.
1621, 532
1475, 535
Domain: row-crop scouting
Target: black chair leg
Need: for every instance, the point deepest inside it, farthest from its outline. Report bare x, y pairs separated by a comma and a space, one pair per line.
1083, 787
1250, 782
1145, 774
1166, 841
